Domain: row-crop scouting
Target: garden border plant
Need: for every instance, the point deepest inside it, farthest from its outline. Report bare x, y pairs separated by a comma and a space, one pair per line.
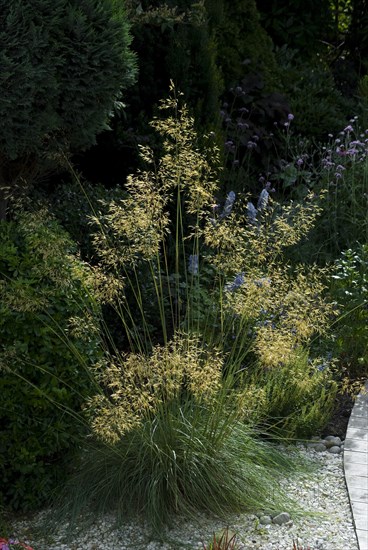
173, 418
49, 334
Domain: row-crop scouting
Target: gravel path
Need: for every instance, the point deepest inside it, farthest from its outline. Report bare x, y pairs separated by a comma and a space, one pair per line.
322, 491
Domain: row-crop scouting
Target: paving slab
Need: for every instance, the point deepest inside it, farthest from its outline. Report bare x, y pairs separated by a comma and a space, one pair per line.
363, 539
356, 433
357, 482
356, 466
357, 494
356, 457
359, 445
352, 468
358, 422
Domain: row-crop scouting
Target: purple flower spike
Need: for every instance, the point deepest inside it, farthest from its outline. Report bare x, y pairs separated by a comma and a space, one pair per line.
251, 212
193, 264
238, 282
263, 199
230, 199
290, 116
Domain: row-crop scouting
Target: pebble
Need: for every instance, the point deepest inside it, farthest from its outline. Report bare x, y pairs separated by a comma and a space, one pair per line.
319, 447
284, 517
332, 441
327, 444
335, 449
265, 520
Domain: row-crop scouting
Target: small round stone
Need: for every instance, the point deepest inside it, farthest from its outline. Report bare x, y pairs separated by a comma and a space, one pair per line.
284, 517
332, 441
265, 520
335, 450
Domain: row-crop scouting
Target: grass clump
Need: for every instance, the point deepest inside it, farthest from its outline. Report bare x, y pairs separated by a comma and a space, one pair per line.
224, 540
203, 294
189, 450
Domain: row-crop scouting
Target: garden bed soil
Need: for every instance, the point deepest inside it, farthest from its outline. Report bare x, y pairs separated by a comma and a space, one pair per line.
338, 423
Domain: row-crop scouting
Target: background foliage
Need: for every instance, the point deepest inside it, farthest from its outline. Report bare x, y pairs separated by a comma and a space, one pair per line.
60, 92
48, 336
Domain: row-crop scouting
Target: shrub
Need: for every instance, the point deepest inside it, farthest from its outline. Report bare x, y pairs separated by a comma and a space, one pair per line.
72, 203
297, 398
75, 63
47, 338
350, 289
319, 107
242, 42
174, 41
300, 25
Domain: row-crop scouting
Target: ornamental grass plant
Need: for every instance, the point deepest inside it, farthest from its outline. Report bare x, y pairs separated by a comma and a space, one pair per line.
203, 293
189, 456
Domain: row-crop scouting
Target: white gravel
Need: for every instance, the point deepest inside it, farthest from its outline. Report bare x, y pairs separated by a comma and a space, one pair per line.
322, 491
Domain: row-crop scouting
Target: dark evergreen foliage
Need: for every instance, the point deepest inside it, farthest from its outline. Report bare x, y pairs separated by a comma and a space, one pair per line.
302, 24
63, 66
243, 46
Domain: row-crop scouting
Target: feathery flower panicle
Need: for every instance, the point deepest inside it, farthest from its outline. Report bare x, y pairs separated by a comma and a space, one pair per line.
183, 164
285, 310
133, 228
137, 384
